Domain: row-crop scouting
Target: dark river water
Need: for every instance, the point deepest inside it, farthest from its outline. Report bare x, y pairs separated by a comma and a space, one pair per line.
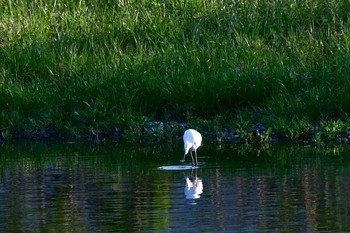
76, 187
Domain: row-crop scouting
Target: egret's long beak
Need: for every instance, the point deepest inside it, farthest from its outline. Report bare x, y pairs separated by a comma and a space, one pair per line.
183, 159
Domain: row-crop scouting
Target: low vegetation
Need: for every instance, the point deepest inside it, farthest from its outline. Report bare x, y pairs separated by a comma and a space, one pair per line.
107, 68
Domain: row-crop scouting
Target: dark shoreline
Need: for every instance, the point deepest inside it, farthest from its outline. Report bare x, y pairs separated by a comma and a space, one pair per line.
158, 132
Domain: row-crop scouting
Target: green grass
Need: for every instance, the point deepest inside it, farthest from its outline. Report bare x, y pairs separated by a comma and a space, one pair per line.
92, 66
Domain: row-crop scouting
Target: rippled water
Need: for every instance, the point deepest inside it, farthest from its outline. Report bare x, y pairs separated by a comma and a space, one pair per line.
57, 187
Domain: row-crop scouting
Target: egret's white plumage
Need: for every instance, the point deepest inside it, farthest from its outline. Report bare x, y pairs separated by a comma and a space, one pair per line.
192, 140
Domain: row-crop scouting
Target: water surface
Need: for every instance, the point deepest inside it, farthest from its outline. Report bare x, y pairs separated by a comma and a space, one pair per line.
61, 187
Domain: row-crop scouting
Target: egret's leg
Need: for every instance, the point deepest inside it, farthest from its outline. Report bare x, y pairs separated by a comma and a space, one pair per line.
193, 164
195, 155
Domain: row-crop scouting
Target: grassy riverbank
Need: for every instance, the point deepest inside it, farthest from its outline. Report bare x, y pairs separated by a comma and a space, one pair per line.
91, 67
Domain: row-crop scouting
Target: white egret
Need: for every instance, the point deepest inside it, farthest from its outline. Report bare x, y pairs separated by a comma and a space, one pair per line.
192, 140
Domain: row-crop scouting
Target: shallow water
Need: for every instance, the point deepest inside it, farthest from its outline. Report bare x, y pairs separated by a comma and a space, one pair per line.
60, 187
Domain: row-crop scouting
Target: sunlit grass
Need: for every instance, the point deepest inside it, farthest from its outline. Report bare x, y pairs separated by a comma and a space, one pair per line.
88, 66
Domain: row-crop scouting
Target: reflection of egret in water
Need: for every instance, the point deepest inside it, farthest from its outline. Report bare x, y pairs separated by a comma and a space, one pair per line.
193, 187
